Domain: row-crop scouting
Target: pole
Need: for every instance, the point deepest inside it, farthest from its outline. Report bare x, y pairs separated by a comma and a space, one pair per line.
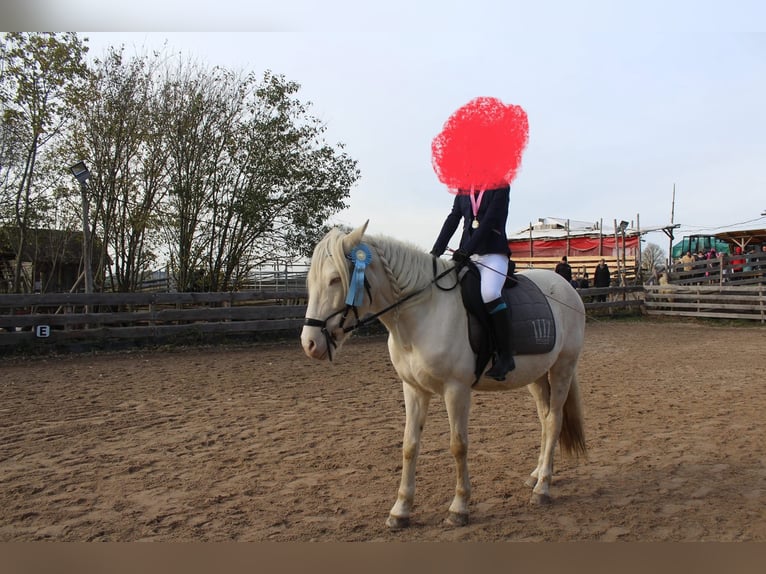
617, 252
531, 242
601, 237
638, 230
670, 235
624, 263
87, 271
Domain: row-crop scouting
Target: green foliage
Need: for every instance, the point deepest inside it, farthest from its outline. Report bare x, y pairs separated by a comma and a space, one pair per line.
42, 74
210, 170
652, 257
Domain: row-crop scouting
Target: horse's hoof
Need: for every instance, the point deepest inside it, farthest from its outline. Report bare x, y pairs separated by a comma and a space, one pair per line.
397, 522
540, 499
531, 482
456, 519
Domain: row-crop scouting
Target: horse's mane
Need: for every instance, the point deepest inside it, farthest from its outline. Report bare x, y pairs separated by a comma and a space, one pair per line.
408, 267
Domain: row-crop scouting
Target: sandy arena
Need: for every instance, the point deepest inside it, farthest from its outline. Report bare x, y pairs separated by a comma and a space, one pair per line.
259, 443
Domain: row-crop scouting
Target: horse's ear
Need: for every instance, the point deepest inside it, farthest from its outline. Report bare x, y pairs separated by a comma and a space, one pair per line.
354, 238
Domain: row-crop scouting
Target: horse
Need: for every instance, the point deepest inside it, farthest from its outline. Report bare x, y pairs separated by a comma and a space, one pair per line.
428, 342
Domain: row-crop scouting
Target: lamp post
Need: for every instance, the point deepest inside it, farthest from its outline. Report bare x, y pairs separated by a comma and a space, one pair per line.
82, 174
622, 227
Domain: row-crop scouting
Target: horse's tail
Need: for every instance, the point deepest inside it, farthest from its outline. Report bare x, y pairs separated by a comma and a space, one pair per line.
572, 437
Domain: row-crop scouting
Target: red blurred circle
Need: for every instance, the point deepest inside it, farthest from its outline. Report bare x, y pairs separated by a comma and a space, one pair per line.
480, 146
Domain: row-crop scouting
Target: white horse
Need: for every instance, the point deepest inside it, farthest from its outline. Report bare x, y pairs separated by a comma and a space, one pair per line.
429, 347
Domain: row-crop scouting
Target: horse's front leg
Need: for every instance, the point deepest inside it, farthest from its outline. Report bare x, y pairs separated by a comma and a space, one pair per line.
416, 409
458, 401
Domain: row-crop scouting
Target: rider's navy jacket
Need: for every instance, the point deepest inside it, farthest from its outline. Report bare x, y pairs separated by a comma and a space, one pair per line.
490, 236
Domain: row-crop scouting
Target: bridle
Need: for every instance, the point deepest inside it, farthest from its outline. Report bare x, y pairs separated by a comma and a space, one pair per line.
331, 340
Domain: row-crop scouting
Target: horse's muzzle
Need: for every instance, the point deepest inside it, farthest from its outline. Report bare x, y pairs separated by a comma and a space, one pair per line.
317, 345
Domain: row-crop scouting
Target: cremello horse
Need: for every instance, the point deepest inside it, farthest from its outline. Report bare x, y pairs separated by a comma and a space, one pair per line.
429, 347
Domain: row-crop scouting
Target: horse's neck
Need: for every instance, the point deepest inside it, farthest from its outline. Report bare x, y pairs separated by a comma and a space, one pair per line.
425, 314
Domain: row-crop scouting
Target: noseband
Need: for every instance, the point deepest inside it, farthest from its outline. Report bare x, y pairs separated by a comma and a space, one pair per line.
332, 342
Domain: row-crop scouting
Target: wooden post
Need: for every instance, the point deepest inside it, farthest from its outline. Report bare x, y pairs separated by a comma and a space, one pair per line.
617, 254
638, 255
86, 241
670, 235
601, 237
531, 242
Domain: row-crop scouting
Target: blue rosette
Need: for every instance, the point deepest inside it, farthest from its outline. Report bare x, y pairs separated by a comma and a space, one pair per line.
361, 256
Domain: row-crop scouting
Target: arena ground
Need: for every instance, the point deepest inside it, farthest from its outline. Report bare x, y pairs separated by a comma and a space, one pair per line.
259, 443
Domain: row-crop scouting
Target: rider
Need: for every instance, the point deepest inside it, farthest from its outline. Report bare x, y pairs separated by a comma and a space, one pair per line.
484, 214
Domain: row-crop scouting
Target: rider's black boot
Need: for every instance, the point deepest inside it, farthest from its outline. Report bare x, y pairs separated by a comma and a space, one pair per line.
500, 316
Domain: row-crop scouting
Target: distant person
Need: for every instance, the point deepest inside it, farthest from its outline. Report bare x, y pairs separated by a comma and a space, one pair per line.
602, 278
710, 256
737, 261
563, 269
583, 281
688, 261
688, 264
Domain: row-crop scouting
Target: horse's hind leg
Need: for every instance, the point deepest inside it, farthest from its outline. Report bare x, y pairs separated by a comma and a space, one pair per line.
416, 409
550, 397
540, 390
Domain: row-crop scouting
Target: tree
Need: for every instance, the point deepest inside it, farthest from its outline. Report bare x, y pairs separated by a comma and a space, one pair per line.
216, 171
652, 257
42, 74
120, 135
200, 109
287, 182
252, 177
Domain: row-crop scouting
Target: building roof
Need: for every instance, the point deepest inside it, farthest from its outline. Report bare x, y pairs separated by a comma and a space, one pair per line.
556, 228
743, 237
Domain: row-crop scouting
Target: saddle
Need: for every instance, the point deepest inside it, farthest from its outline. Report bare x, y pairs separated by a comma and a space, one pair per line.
532, 326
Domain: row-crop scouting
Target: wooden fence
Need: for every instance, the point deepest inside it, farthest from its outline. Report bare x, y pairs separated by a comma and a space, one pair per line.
76, 320
740, 270
56, 319
709, 301
621, 272
726, 287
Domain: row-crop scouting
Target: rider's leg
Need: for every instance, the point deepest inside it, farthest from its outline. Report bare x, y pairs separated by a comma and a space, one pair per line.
493, 269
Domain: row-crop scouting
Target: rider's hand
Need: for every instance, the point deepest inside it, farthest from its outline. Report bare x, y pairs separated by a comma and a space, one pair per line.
460, 257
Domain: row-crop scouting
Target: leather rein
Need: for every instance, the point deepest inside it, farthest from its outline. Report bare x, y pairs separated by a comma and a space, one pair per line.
330, 338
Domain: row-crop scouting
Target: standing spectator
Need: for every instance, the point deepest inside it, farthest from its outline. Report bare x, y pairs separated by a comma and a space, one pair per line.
563, 269
583, 281
602, 278
688, 261
737, 261
712, 254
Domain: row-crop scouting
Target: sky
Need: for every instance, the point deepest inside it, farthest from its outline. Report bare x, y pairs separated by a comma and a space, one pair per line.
626, 101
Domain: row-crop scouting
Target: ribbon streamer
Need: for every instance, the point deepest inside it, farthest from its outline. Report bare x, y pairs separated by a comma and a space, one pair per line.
361, 256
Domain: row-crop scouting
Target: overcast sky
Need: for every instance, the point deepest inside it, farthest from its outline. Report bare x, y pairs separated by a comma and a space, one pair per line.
625, 99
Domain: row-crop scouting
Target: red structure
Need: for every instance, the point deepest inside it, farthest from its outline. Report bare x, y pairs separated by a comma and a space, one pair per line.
599, 245
551, 237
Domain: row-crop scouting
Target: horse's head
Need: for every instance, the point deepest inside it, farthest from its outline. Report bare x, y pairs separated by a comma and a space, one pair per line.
329, 280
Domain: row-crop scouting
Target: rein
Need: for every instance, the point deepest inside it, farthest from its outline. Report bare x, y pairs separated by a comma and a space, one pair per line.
330, 337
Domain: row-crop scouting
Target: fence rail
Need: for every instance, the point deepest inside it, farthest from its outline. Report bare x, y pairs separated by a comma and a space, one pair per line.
99, 319
740, 270
708, 301
63, 318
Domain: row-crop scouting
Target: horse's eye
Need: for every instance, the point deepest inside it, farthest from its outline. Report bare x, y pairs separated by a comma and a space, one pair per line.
334, 281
